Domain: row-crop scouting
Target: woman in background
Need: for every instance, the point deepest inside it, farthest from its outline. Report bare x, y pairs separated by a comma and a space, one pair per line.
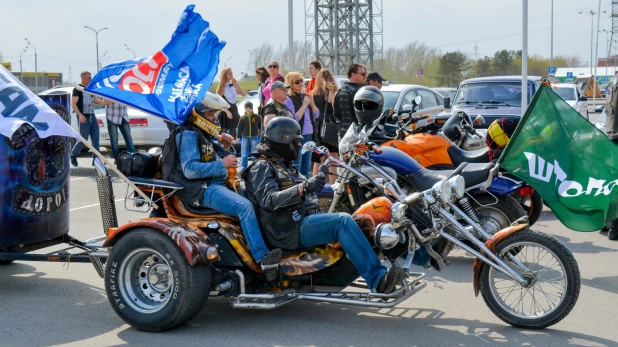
324, 99
305, 112
229, 89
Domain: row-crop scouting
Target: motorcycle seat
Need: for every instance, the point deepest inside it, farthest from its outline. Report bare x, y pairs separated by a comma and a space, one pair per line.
459, 156
473, 174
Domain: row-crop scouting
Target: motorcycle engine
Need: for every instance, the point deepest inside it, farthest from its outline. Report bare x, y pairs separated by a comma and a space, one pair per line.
471, 143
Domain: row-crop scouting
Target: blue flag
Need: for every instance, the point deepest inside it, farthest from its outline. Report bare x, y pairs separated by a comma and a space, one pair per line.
170, 82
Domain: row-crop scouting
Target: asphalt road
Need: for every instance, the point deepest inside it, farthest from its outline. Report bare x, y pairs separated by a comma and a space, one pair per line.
60, 304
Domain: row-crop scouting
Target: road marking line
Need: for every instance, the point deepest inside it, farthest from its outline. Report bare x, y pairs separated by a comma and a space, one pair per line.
78, 178
79, 208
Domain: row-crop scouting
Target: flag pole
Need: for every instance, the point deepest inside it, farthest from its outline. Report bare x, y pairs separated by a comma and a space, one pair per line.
524, 58
120, 174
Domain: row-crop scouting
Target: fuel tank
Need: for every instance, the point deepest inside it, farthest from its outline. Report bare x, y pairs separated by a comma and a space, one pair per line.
396, 159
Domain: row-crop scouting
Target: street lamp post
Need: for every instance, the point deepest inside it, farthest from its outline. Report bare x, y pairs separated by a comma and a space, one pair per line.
130, 49
21, 70
36, 67
551, 50
591, 13
96, 34
607, 32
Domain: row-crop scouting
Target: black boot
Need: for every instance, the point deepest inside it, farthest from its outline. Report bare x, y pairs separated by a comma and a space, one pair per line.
612, 234
73, 161
272, 258
390, 280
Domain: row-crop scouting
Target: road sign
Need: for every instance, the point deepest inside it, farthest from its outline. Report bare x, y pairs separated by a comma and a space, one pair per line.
7, 65
569, 75
551, 71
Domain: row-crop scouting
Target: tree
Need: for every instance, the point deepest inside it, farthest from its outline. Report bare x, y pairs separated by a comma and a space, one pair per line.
503, 63
482, 67
450, 67
260, 56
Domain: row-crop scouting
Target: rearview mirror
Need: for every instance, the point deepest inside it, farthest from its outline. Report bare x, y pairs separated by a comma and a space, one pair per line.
583, 98
417, 100
407, 108
308, 147
447, 102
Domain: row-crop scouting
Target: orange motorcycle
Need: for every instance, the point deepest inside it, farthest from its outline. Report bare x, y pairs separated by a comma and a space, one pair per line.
439, 149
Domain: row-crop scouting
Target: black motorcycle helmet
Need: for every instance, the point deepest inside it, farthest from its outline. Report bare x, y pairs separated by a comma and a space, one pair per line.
283, 135
368, 103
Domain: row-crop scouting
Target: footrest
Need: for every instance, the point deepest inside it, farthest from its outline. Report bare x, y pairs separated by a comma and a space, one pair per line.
264, 301
410, 286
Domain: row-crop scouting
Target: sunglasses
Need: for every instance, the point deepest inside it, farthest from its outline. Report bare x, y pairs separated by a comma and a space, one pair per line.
273, 66
364, 74
298, 81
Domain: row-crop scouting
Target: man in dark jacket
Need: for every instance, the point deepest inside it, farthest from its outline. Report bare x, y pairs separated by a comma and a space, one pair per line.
344, 100
288, 210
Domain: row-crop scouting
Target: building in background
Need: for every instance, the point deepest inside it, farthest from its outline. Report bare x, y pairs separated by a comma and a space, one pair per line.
47, 80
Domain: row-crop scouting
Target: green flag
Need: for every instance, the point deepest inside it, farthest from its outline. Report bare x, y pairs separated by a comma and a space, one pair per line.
572, 164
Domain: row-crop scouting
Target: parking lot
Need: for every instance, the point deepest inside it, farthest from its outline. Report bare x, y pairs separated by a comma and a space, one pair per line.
445, 313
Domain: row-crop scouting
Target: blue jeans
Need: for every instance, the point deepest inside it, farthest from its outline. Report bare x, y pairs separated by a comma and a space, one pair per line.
88, 129
304, 160
322, 228
126, 135
222, 199
248, 146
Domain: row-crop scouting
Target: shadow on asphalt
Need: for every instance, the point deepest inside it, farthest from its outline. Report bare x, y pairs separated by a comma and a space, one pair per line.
334, 325
70, 311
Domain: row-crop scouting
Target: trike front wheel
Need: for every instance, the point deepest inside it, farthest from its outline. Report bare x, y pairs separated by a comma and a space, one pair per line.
553, 281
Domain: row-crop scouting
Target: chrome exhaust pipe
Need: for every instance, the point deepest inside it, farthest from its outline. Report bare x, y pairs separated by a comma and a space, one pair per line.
106, 197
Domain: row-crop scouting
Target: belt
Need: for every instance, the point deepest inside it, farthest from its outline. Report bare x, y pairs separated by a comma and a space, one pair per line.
88, 114
311, 211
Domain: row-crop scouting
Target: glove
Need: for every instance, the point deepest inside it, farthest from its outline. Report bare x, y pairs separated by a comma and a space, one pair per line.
315, 184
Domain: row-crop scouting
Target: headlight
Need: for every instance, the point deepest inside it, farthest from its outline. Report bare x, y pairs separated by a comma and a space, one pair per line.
443, 191
398, 211
458, 184
385, 236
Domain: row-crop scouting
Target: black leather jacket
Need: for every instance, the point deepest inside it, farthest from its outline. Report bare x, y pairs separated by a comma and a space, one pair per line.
272, 187
344, 106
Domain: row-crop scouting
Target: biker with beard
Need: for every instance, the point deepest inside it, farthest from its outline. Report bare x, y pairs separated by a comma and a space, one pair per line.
288, 210
199, 161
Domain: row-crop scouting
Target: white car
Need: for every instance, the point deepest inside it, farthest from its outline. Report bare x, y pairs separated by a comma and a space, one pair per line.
573, 96
146, 130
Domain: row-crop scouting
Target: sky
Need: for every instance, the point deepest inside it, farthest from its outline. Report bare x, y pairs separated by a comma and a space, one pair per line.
56, 28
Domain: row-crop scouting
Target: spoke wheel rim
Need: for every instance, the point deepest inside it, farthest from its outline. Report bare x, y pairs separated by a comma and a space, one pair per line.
146, 281
547, 282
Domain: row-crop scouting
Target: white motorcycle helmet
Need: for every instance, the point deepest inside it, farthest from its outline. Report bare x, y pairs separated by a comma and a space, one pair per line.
212, 101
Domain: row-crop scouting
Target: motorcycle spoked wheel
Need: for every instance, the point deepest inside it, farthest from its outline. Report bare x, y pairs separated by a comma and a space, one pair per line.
554, 281
495, 216
533, 206
150, 284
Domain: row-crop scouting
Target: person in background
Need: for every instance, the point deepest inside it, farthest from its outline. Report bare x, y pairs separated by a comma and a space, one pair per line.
274, 75
249, 130
83, 105
305, 112
170, 126
276, 106
314, 68
374, 79
117, 118
261, 75
228, 88
324, 98
344, 100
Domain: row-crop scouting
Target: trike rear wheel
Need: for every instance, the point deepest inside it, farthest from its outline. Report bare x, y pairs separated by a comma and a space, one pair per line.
150, 284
